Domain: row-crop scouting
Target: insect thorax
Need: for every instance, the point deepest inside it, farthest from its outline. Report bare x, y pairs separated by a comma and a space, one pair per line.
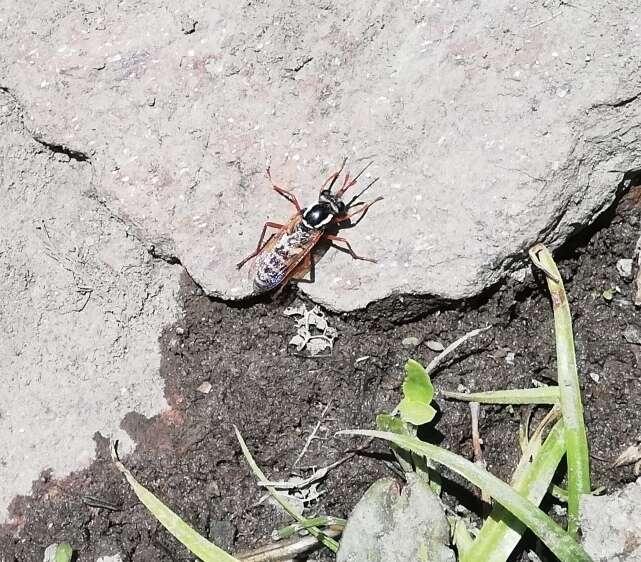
317, 217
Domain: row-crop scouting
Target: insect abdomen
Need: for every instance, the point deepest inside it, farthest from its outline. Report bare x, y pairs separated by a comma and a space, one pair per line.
272, 266
270, 272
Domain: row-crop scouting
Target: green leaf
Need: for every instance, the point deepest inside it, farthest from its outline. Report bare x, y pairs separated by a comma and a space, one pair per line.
417, 386
385, 422
553, 536
64, 552
416, 413
461, 537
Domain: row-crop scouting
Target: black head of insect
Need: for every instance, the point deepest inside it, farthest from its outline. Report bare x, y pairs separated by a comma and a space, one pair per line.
330, 207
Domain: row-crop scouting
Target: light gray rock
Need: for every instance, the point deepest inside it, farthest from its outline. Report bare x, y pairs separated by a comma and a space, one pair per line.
637, 282
410, 341
611, 525
114, 558
390, 524
491, 125
632, 334
624, 268
83, 306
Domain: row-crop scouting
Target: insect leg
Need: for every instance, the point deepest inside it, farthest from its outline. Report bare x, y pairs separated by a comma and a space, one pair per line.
349, 182
260, 245
362, 211
284, 192
349, 247
331, 179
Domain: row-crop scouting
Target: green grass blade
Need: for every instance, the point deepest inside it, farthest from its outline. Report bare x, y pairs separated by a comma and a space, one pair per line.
561, 494
534, 442
312, 530
578, 459
502, 531
553, 536
537, 395
198, 545
461, 537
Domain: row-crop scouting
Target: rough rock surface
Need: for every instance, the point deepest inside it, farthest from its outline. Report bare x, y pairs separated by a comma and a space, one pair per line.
492, 126
611, 525
83, 305
390, 524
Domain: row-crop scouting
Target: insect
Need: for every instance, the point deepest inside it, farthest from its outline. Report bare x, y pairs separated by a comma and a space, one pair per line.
287, 253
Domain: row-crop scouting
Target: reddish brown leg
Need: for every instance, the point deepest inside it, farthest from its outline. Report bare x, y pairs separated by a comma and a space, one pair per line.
331, 179
349, 182
284, 192
361, 212
260, 245
349, 247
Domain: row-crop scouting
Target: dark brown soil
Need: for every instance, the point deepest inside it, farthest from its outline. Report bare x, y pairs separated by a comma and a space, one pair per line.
190, 458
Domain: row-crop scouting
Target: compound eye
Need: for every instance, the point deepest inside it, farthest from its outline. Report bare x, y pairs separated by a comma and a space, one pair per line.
341, 208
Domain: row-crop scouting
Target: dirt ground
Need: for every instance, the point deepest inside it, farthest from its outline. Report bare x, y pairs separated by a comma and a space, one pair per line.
189, 456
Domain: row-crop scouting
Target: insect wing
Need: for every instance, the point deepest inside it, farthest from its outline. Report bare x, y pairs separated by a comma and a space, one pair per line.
308, 263
289, 227
302, 269
275, 267
303, 262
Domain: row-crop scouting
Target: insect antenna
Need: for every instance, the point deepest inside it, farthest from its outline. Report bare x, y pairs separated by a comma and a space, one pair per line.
353, 199
363, 170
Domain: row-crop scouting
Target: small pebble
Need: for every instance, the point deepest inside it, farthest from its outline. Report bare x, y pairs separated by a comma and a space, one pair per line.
595, 377
624, 268
213, 489
411, 341
520, 274
205, 387
559, 510
435, 345
113, 558
632, 334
